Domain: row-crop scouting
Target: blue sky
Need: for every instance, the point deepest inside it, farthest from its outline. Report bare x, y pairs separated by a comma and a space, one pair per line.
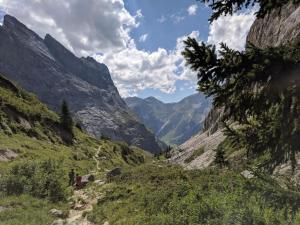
139, 40
165, 33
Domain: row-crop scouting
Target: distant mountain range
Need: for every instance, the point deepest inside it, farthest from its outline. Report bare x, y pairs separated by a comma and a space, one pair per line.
53, 73
173, 123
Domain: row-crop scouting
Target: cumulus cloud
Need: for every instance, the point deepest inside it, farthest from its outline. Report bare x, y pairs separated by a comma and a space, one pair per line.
231, 30
105, 25
162, 19
192, 10
177, 18
83, 27
143, 38
134, 70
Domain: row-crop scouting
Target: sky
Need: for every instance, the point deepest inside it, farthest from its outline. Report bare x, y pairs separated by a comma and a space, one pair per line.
139, 40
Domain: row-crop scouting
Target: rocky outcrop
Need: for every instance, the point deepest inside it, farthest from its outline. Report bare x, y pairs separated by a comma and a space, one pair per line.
212, 122
208, 142
173, 123
53, 73
280, 27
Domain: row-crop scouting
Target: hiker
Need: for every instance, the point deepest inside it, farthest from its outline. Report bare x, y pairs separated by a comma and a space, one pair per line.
71, 177
78, 183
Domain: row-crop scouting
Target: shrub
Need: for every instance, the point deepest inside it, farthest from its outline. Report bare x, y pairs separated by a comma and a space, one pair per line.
195, 154
40, 179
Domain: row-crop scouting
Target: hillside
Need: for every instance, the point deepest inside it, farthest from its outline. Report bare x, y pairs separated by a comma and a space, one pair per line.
53, 73
33, 139
36, 155
173, 123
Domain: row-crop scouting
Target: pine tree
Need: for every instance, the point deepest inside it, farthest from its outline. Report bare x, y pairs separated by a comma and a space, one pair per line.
220, 157
222, 7
66, 117
259, 91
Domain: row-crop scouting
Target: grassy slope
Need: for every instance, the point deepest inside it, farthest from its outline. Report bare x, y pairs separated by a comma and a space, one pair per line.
167, 195
150, 193
31, 130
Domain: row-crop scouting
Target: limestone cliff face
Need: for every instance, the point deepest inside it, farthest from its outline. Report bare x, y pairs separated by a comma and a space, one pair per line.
53, 73
280, 27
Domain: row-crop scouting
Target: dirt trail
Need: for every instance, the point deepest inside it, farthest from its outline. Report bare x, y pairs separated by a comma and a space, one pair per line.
84, 200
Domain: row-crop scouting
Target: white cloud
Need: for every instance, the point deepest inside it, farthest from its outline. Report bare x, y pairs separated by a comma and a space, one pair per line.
105, 23
162, 19
231, 30
192, 10
87, 30
139, 13
143, 38
177, 18
134, 70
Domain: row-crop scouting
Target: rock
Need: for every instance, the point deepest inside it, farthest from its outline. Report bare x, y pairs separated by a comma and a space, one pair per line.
281, 26
99, 182
3, 208
247, 174
57, 213
52, 72
58, 222
7, 155
114, 172
79, 207
203, 140
87, 178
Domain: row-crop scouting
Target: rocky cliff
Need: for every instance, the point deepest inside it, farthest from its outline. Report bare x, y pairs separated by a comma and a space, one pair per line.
53, 73
280, 27
173, 123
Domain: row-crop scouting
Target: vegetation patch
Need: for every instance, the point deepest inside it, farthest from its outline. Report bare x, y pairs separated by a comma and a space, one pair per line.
195, 155
164, 194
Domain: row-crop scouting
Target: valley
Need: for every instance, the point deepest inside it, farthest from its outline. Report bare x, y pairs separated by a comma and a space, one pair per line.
76, 149
173, 123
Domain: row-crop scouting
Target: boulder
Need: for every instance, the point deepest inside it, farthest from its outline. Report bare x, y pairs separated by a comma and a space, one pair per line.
7, 155
57, 213
58, 222
88, 178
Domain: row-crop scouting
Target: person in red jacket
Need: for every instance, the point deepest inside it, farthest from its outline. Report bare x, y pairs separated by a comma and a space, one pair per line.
78, 183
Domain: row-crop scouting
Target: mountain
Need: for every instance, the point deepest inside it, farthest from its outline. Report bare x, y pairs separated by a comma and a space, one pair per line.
53, 73
173, 123
37, 153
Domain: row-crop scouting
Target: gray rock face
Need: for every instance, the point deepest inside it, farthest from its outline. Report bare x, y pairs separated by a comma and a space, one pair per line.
173, 123
212, 122
281, 26
53, 73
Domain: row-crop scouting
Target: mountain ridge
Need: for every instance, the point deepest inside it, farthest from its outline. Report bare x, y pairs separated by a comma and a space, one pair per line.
175, 122
38, 64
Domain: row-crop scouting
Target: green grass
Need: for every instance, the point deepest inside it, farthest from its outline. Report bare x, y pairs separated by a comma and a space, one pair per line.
26, 210
167, 195
31, 130
194, 155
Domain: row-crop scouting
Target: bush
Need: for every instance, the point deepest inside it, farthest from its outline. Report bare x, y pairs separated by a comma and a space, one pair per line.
40, 179
195, 155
